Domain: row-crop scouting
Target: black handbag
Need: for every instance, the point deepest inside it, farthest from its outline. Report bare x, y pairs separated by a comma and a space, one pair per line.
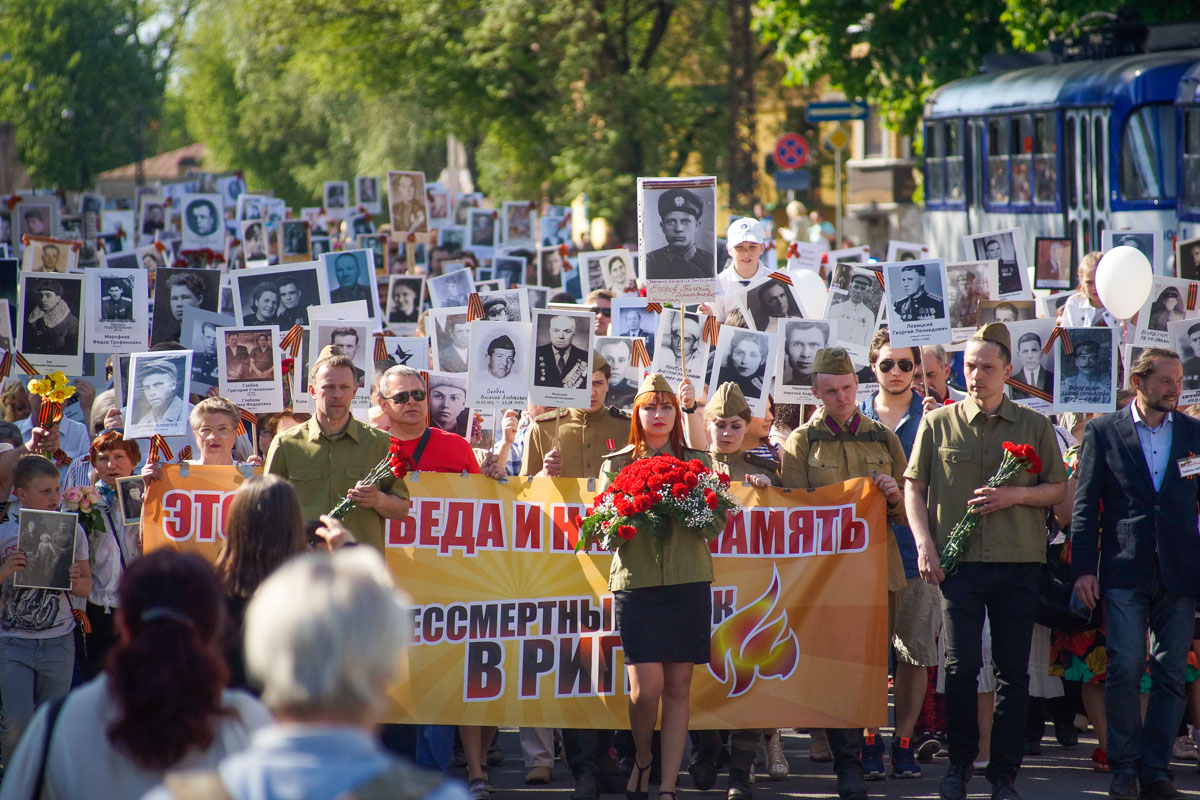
1056, 588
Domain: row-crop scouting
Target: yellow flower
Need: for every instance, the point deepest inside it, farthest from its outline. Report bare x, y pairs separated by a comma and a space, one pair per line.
59, 379
40, 386
57, 396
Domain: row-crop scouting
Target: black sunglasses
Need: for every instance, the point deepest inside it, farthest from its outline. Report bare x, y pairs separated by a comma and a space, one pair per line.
604, 312
887, 364
402, 397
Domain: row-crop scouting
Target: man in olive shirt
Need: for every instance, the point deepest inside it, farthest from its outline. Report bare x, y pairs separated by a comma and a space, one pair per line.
958, 448
836, 444
325, 457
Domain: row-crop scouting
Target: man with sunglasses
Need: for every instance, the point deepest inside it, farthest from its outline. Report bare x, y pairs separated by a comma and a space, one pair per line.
600, 302
404, 400
917, 606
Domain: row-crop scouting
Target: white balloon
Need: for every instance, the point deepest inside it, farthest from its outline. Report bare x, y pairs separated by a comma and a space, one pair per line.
811, 291
1124, 280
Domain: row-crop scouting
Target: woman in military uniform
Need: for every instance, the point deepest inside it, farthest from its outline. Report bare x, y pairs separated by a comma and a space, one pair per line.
663, 606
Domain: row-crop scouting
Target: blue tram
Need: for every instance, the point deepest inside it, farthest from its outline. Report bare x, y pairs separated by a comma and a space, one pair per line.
1066, 150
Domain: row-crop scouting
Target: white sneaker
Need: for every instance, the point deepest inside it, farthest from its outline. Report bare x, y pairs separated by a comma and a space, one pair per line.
777, 763
1184, 749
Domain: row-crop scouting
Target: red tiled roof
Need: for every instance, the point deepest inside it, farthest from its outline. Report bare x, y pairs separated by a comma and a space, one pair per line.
173, 164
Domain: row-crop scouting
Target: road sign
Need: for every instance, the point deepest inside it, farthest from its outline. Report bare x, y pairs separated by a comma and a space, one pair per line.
791, 151
836, 140
796, 180
837, 112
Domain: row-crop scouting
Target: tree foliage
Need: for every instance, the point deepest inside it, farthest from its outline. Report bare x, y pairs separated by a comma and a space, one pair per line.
894, 54
81, 80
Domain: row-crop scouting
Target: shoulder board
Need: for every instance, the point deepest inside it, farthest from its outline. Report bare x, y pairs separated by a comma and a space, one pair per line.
761, 461
550, 416
619, 413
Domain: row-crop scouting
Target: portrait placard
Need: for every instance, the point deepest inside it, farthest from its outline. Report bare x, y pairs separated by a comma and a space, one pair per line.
631, 318
670, 341
50, 335
175, 290
157, 397
969, 283
1185, 339
249, 368
251, 206
744, 357
1149, 242
552, 268
537, 296
799, 341
767, 300
200, 336
804, 255
562, 358
1053, 263
1007, 248
1006, 311
453, 238
357, 225
1187, 259
483, 231
356, 343
1167, 303
850, 255
554, 226
336, 198
508, 305
48, 540
131, 493
203, 218
377, 243
501, 362
366, 193
1051, 305
626, 378
450, 289
407, 351
44, 254
510, 271
906, 251
295, 241
614, 268
405, 293
677, 237
1086, 380
448, 409
855, 302
449, 338
407, 201
254, 242
118, 322
1032, 380
520, 224
153, 216
33, 217
130, 260
350, 275
917, 313
440, 210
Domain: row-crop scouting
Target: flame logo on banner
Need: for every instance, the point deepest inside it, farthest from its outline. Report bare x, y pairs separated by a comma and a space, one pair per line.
749, 644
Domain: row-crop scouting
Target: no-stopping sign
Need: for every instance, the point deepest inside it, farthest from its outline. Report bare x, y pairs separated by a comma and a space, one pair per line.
791, 151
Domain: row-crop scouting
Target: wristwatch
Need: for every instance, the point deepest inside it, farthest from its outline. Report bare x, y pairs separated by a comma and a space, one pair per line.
691, 410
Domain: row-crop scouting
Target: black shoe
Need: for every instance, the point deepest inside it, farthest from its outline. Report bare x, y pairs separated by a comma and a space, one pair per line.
585, 788
1003, 790
851, 786
954, 785
495, 756
1067, 736
638, 793
1123, 786
610, 782
926, 747
1161, 790
739, 785
703, 772
1033, 747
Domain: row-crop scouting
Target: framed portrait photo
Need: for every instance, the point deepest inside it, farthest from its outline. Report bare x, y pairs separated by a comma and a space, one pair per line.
336, 196
48, 540
562, 365
677, 237
745, 358
203, 218
248, 367
49, 312
1007, 248
1187, 259
501, 363
367, 195
44, 254
119, 322
1150, 243
917, 312
131, 493
1053, 263
280, 295
157, 397
407, 202
1085, 379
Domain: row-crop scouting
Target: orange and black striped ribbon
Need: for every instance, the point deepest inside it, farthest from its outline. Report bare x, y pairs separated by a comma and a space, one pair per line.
381, 352
49, 413
6, 364
879, 277
1191, 298
1030, 390
1059, 333
474, 307
293, 340
61, 459
24, 364
782, 277
640, 356
245, 417
655, 307
159, 449
712, 330
185, 454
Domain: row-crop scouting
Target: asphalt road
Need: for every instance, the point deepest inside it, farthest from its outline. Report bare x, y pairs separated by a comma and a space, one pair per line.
1057, 774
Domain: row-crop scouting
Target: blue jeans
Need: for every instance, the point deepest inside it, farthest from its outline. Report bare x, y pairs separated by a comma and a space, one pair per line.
1134, 746
32, 672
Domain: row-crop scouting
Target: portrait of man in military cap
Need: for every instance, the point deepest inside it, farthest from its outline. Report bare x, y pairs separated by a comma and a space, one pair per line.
499, 364
1085, 380
678, 235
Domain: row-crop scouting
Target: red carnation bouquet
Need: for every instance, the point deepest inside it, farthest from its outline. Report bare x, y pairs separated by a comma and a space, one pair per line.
395, 463
1017, 457
649, 494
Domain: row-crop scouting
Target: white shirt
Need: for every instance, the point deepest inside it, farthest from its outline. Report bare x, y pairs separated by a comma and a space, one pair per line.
72, 436
1078, 312
730, 283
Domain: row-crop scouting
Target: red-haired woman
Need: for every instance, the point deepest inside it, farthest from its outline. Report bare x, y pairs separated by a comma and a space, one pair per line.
110, 548
663, 607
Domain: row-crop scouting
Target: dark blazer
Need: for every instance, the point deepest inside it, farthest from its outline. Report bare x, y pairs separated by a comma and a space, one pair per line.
1137, 525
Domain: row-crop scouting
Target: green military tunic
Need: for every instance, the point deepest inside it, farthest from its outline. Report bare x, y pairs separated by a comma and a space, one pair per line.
583, 438
739, 464
815, 456
685, 555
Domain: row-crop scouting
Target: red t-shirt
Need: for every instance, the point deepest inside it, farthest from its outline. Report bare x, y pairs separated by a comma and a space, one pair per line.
445, 452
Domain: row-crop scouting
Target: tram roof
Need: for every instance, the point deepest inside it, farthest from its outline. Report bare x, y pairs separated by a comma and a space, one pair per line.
1126, 81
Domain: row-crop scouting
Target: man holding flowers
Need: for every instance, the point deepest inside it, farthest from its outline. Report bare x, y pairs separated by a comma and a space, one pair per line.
958, 450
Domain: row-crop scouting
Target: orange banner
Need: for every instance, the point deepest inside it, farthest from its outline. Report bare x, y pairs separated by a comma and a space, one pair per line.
512, 627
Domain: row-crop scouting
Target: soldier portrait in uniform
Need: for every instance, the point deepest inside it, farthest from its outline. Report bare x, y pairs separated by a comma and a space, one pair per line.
1085, 379
158, 394
1007, 249
1187, 260
450, 290
499, 373
968, 286
254, 240
366, 192
203, 222
481, 228
623, 385
408, 203
294, 239
350, 277
510, 305
336, 195
855, 307
910, 294
451, 340
50, 316
562, 359
116, 302
679, 237
744, 358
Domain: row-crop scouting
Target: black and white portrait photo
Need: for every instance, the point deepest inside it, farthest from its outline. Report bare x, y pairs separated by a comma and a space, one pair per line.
118, 321
35, 217
500, 364
350, 276
767, 300
249, 368
562, 368
801, 339
116, 298
407, 201
1006, 311
482, 230
850, 255
404, 302
552, 264
906, 251
451, 339
508, 305
352, 338
744, 358
509, 270
200, 336
917, 312
453, 238
337, 196
1053, 262
854, 301
630, 317
151, 258
448, 410
440, 212
50, 335
131, 493
1167, 303
1032, 371
1187, 259
47, 538
968, 283
617, 268
203, 222
321, 245
377, 243
626, 378
254, 242
1085, 380
357, 225
1007, 249
520, 221
1148, 242
1185, 337
366, 192
49, 255
294, 240
279, 295
451, 289
153, 216
251, 206
177, 289
537, 296
130, 260
158, 391
674, 339
678, 237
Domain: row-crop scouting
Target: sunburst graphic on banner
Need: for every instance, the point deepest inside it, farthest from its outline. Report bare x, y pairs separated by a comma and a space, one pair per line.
749, 644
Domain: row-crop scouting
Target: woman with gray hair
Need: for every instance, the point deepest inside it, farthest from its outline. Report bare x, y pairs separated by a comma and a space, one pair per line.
324, 636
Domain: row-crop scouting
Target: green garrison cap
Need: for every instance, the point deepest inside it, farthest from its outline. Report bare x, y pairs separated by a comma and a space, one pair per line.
832, 361
728, 401
655, 382
599, 362
996, 333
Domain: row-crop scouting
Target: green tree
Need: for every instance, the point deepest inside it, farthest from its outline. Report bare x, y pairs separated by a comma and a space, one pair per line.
80, 79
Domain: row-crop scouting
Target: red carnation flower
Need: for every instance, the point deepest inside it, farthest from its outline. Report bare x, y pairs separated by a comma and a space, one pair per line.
710, 499
680, 490
578, 521
723, 478
691, 480
642, 503
626, 531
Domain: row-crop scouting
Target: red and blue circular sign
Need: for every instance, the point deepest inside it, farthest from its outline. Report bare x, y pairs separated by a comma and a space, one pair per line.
791, 151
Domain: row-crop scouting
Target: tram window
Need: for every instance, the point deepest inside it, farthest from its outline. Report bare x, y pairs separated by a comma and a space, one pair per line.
1191, 158
1020, 147
1069, 160
1045, 170
934, 163
1147, 168
954, 163
997, 161
1085, 181
1101, 152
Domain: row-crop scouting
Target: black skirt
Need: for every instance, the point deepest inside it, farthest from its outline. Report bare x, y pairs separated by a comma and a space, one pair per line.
665, 624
